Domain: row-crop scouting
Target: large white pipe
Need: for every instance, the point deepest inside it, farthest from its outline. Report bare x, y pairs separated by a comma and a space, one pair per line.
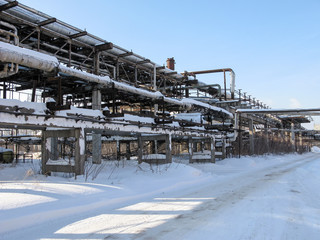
105, 80
28, 58
236, 126
232, 82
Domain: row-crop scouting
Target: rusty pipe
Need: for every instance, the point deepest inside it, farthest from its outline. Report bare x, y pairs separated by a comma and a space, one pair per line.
208, 71
232, 83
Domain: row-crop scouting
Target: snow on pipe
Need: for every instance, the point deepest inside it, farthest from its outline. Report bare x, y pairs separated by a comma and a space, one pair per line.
118, 85
236, 126
26, 57
37, 60
232, 82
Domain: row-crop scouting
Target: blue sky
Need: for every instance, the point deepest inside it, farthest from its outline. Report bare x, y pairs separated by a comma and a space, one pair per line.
273, 46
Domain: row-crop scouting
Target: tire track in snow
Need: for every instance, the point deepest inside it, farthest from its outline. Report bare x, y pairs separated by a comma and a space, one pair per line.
228, 195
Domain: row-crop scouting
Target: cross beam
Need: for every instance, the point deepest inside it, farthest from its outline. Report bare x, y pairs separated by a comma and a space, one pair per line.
76, 35
46, 22
8, 6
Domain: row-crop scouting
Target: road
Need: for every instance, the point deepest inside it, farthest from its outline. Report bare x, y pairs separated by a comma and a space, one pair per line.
272, 203
278, 201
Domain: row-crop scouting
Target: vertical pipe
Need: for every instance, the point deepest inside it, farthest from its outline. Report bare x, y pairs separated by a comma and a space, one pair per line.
267, 136
17, 148
69, 52
117, 70
251, 136
224, 150
79, 151
190, 149
96, 99
239, 136
136, 75
155, 78
44, 155
202, 146
38, 43
54, 148
168, 143
155, 87
96, 148
60, 96
187, 92
114, 109
97, 63
96, 137
118, 149
232, 84
301, 150
155, 147
128, 151
140, 148
292, 138
225, 85
213, 151
34, 87
195, 146
4, 90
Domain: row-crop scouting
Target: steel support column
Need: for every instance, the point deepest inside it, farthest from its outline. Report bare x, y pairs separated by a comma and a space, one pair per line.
251, 136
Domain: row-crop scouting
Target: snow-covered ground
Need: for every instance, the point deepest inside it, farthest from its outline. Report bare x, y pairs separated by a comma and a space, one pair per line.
270, 197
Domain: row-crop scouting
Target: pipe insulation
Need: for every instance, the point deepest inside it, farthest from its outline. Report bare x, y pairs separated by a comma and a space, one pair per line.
41, 61
28, 58
232, 82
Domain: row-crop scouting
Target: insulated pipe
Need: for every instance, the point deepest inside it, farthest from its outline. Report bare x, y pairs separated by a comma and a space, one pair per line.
28, 58
236, 126
232, 83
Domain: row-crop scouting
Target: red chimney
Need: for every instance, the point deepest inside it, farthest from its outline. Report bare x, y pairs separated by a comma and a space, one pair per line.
170, 63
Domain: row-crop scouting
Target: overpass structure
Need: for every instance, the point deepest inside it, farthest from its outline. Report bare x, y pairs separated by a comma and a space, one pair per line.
79, 92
